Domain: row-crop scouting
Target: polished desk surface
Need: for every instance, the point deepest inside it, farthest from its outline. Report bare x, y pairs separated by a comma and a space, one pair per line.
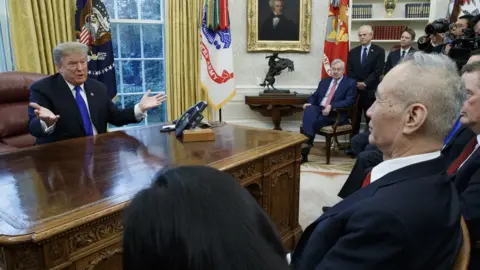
51, 188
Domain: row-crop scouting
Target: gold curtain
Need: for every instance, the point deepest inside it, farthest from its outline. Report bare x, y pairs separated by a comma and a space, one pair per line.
183, 57
37, 26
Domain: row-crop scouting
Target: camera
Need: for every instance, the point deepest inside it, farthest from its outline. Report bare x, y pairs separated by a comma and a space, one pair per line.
463, 46
438, 26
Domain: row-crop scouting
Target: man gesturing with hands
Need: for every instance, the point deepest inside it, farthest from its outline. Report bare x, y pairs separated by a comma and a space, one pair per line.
70, 105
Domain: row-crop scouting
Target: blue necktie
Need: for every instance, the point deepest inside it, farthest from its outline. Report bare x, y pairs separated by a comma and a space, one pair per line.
87, 124
454, 130
364, 56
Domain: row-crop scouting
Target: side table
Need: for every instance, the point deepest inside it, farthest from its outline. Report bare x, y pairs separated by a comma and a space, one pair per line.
277, 106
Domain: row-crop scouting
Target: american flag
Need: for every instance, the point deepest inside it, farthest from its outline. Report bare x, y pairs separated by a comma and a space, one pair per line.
85, 35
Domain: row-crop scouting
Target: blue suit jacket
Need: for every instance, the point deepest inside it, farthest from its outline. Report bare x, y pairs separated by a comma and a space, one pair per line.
344, 96
389, 224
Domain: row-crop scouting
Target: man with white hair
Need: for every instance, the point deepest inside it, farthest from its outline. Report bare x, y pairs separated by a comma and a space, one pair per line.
407, 216
365, 65
337, 91
70, 105
277, 26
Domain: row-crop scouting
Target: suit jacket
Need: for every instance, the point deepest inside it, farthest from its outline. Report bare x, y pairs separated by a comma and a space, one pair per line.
455, 146
389, 224
344, 96
371, 72
54, 94
393, 59
467, 182
285, 30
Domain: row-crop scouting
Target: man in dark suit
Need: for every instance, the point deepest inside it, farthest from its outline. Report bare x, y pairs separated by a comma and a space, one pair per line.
394, 57
277, 26
70, 105
334, 92
365, 65
465, 169
395, 221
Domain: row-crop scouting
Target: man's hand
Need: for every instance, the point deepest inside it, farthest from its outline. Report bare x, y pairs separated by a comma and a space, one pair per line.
44, 114
447, 48
361, 85
306, 105
326, 111
148, 102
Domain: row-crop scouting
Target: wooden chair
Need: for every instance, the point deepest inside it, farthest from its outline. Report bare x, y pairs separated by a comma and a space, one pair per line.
336, 129
463, 256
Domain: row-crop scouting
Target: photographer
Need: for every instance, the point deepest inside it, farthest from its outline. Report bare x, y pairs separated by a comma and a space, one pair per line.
458, 29
476, 24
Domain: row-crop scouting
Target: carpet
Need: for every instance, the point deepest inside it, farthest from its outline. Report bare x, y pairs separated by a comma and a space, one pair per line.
320, 184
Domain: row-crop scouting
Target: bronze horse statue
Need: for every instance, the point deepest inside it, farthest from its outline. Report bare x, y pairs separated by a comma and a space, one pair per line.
276, 66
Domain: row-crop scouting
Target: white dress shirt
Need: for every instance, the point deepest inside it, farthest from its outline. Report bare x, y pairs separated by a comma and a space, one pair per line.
324, 100
476, 148
406, 51
48, 130
276, 20
391, 165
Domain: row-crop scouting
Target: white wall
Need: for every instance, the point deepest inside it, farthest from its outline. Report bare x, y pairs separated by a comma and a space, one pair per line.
250, 68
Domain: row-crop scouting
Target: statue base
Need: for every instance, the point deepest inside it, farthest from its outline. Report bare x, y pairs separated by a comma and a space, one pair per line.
277, 93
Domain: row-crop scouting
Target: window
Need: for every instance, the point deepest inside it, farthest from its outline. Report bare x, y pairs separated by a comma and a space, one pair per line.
137, 28
6, 60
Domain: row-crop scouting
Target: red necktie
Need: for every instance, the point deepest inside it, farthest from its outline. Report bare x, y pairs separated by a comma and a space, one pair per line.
330, 94
467, 151
366, 181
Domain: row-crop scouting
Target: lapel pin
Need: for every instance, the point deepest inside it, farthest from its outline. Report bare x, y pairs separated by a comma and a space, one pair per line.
91, 94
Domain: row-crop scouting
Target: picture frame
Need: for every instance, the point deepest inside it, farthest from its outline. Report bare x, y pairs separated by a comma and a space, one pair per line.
289, 33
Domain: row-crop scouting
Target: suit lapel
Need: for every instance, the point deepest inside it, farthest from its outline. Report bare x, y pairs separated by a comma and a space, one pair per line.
328, 81
340, 87
67, 96
370, 54
397, 56
359, 56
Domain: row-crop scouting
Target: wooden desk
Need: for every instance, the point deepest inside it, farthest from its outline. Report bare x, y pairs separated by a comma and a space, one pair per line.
61, 204
277, 106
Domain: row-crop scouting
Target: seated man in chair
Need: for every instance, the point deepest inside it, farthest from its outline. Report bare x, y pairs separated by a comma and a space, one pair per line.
338, 91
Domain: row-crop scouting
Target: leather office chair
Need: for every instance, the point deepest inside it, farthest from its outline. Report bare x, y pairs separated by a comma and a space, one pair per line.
463, 257
14, 99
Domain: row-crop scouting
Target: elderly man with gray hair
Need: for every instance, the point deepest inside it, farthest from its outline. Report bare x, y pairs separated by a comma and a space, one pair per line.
407, 214
70, 105
337, 91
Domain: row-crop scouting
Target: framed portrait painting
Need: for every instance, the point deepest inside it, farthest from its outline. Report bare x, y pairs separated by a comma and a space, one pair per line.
279, 25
